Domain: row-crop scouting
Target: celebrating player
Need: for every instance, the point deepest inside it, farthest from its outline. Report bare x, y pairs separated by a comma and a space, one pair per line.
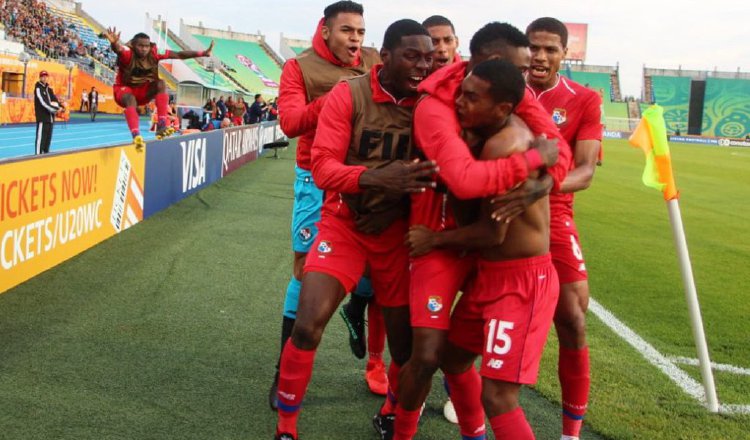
577, 112
359, 158
305, 82
507, 311
444, 40
437, 276
137, 81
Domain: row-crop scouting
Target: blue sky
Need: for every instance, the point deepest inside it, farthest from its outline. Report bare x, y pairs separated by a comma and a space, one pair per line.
694, 34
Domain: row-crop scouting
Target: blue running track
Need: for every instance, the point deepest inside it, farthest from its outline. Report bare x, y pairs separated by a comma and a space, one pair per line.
18, 140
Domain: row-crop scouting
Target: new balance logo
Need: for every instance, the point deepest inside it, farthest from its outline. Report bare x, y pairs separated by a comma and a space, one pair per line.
495, 364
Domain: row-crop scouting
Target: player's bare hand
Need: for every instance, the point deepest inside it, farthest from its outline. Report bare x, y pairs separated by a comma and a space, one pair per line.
400, 177
420, 240
510, 205
210, 49
112, 35
547, 149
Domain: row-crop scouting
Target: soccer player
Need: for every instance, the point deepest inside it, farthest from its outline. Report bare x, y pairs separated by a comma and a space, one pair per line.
507, 311
444, 40
336, 53
577, 112
437, 276
360, 157
137, 81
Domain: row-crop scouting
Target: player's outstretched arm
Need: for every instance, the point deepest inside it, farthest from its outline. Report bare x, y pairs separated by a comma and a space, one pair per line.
113, 36
187, 54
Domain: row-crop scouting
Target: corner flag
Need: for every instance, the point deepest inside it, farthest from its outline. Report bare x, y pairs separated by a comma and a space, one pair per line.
651, 137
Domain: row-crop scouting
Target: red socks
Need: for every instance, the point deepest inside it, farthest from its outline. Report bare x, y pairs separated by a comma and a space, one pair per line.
389, 407
465, 391
294, 376
406, 424
162, 102
131, 117
512, 426
375, 331
575, 380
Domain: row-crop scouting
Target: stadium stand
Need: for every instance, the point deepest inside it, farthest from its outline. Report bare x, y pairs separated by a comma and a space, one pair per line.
290, 47
726, 108
247, 57
721, 98
606, 81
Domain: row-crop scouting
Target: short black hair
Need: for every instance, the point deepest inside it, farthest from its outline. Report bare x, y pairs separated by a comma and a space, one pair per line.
437, 20
141, 35
496, 34
399, 29
334, 9
551, 25
506, 81
257, 95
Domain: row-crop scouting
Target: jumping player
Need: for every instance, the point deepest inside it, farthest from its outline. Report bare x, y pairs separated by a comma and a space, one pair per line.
336, 53
577, 112
359, 158
137, 81
437, 276
507, 310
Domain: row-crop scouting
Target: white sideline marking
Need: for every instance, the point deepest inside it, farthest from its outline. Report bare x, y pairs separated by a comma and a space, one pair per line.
689, 385
717, 367
734, 409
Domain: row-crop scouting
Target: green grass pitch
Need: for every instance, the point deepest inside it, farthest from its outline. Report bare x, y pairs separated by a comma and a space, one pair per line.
170, 330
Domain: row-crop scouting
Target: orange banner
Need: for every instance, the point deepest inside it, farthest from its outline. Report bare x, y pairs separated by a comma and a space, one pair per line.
54, 207
18, 110
577, 35
84, 81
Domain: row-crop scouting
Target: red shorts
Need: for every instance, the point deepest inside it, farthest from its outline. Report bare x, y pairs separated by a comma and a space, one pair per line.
140, 92
342, 252
506, 315
566, 250
436, 278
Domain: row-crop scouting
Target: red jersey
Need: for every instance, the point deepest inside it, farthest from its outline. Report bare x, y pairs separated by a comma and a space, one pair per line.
332, 138
125, 57
297, 116
437, 134
576, 110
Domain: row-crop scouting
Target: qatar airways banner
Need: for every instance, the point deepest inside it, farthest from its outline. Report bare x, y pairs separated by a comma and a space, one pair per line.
56, 206
577, 35
245, 144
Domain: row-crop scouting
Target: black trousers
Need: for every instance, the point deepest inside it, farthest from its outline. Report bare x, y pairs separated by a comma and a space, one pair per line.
43, 137
93, 109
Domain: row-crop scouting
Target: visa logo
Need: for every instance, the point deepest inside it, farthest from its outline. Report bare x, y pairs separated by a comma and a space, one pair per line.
193, 163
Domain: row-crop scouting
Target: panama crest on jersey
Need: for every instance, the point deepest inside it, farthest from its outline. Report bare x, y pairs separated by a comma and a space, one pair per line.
559, 116
325, 247
435, 304
305, 234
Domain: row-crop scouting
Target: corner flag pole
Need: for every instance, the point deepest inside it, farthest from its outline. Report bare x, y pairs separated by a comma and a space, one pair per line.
691, 296
651, 137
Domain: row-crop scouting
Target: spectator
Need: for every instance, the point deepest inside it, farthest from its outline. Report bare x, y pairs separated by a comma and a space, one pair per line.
257, 109
46, 107
84, 101
222, 108
273, 111
239, 111
93, 103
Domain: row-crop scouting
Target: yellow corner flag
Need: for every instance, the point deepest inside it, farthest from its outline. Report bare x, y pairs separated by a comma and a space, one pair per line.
651, 137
